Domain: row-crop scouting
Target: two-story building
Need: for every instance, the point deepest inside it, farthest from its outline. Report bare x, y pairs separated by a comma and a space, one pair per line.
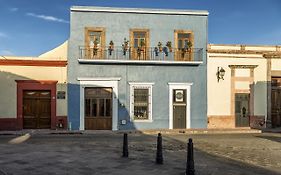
137, 68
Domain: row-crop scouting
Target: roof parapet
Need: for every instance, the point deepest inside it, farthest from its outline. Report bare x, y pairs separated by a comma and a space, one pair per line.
139, 10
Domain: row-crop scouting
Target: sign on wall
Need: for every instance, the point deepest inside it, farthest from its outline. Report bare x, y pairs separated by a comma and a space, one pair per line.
61, 95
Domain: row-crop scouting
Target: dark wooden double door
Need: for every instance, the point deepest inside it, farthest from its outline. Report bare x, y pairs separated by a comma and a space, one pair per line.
36, 109
98, 108
276, 102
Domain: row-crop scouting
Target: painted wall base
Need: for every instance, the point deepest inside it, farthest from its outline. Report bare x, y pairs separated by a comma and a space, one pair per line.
221, 121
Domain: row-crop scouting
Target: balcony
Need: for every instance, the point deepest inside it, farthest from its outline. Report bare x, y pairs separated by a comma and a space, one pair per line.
144, 55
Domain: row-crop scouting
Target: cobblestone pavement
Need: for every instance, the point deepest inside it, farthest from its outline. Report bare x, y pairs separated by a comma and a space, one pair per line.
262, 150
232, 154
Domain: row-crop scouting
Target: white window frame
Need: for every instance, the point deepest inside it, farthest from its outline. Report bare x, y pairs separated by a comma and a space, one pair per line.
141, 85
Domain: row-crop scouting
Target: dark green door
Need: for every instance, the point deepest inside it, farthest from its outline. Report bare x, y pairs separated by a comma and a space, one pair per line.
179, 108
242, 109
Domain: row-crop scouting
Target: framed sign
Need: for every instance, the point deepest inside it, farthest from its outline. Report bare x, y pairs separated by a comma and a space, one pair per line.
61, 95
179, 95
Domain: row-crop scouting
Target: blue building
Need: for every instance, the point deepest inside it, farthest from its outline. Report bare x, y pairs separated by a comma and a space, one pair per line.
137, 68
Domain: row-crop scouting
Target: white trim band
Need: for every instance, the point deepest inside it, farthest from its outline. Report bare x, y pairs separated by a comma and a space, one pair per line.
99, 78
139, 10
88, 61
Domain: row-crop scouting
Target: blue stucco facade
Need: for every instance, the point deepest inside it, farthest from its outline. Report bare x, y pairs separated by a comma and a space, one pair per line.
117, 23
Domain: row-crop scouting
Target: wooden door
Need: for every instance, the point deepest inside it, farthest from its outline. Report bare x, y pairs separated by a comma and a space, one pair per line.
98, 108
276, 102
179, 108
242, 109
95, 43
139, 44
36, 109
183, 45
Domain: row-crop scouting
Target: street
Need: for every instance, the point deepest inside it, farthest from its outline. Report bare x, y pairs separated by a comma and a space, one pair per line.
100, 153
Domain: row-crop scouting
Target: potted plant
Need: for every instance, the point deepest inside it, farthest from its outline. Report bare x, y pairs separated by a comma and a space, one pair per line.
160, 46
189, 45
95, 49
111, 47
169, 45
142, 45
125, 46
156, 51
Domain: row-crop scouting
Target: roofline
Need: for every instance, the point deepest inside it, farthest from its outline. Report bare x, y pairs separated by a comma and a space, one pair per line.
139, 10
43, 63
247, 45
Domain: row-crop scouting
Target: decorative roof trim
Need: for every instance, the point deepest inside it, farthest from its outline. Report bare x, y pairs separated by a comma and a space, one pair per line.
43, 63
272, 55
139, 10
242, 66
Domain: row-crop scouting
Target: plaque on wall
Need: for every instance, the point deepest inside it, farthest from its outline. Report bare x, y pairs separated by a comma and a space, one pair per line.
179, 95
61, 95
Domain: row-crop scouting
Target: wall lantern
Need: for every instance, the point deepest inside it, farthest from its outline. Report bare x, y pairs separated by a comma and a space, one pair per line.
220, 73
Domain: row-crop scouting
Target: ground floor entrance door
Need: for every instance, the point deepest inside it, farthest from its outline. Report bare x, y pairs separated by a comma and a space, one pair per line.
276, 102
36, 109
98, 108
242, 109
179, 108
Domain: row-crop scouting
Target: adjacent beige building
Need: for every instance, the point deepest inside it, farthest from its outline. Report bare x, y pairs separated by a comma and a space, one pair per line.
244, 85
33, 91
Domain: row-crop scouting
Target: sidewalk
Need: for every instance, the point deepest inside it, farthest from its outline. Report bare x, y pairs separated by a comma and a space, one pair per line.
272, 130
155, 131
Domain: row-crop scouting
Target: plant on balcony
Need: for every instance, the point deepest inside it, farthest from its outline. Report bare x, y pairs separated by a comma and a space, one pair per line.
156, 51
165, 50
142, 45
111, 47
186, 49
95, 49
160, 46
169, 45
188, 44
141, 48
125, 46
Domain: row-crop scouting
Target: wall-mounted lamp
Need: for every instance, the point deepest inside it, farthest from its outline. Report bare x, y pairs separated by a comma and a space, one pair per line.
220, 73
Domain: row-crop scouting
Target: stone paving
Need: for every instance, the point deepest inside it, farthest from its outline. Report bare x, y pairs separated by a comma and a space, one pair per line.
231, 154
263, 150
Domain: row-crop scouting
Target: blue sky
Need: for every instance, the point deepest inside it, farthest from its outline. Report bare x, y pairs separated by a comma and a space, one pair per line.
32, 27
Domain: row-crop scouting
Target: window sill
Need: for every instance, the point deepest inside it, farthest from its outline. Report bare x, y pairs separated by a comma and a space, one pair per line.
146, 62
142, 121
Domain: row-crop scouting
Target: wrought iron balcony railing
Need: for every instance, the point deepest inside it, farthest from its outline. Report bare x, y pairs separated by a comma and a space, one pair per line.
141, 53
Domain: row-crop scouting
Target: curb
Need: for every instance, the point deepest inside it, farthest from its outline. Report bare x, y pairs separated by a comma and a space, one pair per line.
156, 131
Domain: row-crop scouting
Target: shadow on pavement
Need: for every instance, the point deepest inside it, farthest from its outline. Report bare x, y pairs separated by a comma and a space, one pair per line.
271, 138
102, 154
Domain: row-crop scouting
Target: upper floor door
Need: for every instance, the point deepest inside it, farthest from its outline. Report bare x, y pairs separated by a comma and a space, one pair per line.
94, 42
139, 42
184, 43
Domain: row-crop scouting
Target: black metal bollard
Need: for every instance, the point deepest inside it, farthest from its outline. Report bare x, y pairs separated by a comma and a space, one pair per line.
125, 145
190, 161
159, 154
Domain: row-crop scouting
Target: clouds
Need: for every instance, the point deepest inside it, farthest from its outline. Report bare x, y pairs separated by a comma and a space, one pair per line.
14, 9
3, 35
6, 52
47, 18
